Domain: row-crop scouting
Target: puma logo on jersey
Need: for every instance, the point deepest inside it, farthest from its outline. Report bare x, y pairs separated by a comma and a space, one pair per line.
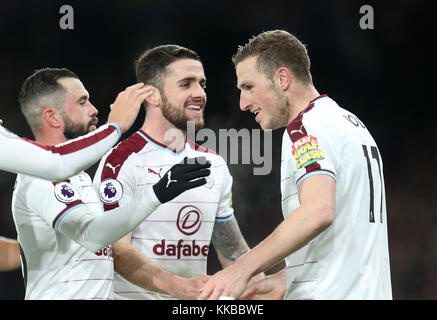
154, 172
300, 130
112, 167
169, 179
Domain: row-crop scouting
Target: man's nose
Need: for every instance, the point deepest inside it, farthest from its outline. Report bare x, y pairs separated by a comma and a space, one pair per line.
199, 92
244, 102
92, 112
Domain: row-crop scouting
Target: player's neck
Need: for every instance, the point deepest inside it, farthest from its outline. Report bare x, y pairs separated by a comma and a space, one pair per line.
164, 132
300, 96
50, 138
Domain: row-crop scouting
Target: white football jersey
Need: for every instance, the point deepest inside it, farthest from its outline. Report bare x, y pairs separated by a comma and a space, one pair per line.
176, 236
349, 259
53, 265
55, 162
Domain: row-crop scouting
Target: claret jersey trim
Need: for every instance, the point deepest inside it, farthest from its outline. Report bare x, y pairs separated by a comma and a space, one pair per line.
114, 162
311, 104
82, 143
64, 212
116, 127
313, 173
159, 145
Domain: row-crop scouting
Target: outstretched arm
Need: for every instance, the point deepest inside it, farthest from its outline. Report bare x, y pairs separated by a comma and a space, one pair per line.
229, 243
97, 231
59, 162
315, 214
56, 163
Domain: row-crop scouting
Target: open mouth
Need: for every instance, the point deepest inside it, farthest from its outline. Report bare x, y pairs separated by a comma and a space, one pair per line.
195, 109
256, 113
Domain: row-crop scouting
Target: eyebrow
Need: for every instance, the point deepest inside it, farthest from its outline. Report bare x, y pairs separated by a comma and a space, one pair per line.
243, 85
192, 79
84, 96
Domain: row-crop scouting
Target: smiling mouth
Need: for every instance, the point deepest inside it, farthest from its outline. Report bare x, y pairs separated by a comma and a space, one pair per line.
256, 114
194, 109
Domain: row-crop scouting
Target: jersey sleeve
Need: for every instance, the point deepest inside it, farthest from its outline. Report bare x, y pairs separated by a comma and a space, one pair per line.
52, 201
225, 211
312, 150
114, 180
55, 162
95, 231
60, 205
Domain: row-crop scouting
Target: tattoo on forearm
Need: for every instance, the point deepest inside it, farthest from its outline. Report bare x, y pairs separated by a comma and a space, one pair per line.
228, 240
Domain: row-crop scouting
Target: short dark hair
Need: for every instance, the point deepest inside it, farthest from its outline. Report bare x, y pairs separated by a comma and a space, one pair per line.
276, 49
152, 63
42, 88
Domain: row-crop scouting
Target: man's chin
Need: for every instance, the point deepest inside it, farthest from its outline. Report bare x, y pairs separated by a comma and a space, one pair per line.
199, 125
269, 125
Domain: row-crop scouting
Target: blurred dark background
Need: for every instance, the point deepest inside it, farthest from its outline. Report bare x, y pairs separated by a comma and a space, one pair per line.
385, 76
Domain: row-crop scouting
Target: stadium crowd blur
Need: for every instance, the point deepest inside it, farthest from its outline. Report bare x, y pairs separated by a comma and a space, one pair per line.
382, 75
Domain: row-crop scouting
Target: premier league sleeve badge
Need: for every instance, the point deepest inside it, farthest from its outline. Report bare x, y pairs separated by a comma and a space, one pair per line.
110, 191
66, 193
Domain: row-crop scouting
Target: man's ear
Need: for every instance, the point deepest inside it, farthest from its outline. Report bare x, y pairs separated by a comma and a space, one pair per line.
52, 117
283, 76
155, 98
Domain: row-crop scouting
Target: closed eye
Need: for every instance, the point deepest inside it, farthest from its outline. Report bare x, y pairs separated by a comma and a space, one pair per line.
245, 87
83, 100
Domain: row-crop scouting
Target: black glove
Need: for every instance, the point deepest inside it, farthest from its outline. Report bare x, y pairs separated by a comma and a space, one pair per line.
179, 178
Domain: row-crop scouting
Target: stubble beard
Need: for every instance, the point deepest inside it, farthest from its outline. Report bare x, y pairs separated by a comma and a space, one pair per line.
178, 117
73, 130
281, 116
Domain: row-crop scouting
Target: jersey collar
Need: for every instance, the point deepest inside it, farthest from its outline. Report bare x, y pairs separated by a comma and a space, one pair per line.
308, 107
160, 145
311, 104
